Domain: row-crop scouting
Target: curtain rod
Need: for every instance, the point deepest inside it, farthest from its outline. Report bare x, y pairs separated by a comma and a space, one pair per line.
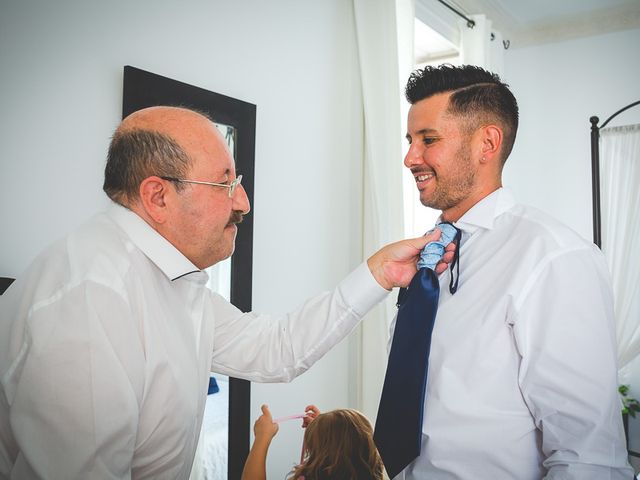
471, 23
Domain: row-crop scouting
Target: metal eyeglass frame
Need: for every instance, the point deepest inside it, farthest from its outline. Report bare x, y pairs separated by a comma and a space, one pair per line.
231, 186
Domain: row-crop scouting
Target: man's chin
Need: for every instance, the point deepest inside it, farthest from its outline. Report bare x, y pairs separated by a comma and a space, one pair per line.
228, 256
231, 249
431, 201
222, 257
428, 202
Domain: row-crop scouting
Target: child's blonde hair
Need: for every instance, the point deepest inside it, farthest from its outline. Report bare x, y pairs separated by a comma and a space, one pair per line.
339, 446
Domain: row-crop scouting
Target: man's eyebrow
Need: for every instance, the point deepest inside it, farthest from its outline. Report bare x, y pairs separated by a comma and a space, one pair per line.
423, 131
225, 173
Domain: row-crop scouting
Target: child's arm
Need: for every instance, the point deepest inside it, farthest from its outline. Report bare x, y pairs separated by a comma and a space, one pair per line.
264, 429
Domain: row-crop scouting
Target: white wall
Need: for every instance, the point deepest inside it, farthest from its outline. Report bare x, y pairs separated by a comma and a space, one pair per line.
559, 87
61, 75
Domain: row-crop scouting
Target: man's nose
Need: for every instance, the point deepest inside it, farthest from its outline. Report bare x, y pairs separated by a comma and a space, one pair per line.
241, 200
413, 157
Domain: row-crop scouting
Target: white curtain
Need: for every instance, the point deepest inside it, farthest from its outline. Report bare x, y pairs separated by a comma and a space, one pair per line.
384, 31
620, 204
481, 45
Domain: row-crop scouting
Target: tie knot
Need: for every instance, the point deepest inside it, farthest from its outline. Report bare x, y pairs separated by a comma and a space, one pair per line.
433, 251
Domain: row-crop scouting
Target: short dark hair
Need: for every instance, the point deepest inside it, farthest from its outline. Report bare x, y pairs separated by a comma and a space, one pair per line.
137, 154
478, 96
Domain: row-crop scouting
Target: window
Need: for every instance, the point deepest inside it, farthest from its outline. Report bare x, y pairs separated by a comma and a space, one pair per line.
430, 48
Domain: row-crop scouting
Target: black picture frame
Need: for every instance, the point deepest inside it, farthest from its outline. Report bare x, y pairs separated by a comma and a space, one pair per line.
143, 89
5, 282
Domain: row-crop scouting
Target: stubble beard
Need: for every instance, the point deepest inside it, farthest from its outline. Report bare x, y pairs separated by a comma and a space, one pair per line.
453, 188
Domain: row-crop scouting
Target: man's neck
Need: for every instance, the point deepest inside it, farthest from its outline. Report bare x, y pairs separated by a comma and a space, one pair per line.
456, 212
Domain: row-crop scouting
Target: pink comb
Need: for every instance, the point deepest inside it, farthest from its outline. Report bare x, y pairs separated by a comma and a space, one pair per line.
290, 417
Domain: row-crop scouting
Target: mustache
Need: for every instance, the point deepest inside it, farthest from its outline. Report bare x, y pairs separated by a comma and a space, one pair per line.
235, 217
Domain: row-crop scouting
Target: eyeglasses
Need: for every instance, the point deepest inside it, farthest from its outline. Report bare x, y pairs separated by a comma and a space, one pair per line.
231, 186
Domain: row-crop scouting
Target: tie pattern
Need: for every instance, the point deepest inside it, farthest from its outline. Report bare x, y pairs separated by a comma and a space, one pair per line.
398, 430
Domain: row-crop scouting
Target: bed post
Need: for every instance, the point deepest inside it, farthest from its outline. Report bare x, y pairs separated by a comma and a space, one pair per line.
595, 179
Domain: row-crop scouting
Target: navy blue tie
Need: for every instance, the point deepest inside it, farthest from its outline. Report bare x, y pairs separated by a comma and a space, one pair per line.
398, 431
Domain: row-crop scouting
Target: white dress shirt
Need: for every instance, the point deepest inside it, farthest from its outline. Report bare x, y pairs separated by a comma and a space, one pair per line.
522, 371
107, 341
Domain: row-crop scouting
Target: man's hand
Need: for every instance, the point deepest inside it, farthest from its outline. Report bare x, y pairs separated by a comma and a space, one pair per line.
395, 264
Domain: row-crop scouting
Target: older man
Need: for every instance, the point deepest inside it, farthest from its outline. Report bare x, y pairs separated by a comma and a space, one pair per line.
107, 340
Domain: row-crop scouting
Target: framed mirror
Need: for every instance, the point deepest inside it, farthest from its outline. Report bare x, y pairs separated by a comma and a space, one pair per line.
232, 278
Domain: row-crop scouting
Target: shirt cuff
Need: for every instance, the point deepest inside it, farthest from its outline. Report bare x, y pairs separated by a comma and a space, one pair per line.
361, 290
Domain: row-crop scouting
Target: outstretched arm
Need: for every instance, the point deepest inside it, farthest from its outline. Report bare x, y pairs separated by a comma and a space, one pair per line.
255, 468
281, 348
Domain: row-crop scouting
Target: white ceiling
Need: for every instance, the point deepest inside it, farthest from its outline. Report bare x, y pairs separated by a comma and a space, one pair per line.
532, 22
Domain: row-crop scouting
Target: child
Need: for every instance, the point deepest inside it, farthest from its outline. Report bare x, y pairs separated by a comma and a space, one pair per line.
338, 445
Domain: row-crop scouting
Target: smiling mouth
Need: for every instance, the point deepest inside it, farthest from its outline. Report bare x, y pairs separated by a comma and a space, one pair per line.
423, 177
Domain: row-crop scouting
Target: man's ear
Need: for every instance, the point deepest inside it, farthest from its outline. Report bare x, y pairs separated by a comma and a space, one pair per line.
153, 192
491, 142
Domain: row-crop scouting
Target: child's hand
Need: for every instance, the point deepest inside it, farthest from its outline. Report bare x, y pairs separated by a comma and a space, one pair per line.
311, 412
264, 428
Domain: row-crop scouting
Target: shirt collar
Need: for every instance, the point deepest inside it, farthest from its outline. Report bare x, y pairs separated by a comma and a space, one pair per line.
483, 213
157, 248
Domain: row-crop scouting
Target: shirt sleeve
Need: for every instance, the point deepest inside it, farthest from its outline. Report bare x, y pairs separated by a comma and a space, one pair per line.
71, 395
265, 348
565, 333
